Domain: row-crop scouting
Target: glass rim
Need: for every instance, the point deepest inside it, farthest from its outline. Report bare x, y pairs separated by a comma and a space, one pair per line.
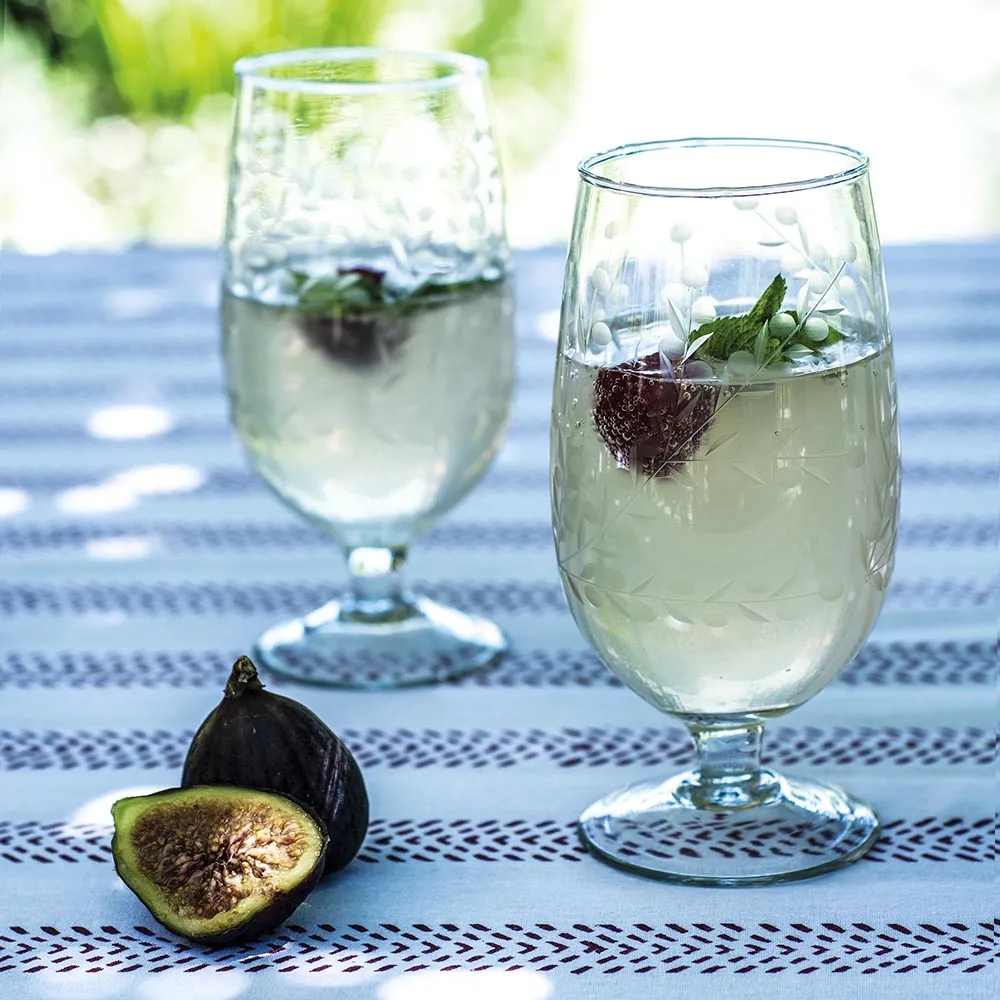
251, 69
588, 173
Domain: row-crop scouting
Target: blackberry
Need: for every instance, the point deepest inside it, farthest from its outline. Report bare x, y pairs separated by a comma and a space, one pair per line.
650, 419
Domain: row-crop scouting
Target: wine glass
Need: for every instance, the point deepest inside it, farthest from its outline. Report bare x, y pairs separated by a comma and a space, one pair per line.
725, 479
367, 331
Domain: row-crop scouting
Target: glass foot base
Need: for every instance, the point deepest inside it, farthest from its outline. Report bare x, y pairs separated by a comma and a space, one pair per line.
803, 829
419, 643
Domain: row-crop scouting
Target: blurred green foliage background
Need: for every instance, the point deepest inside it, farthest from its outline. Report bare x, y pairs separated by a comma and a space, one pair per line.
116, 112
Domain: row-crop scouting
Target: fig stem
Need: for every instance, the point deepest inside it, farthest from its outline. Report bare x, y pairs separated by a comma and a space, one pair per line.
243, 678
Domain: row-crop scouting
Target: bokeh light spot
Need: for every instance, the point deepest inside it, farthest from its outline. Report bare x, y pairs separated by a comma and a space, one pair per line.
149, 480
130, 422
103, 498
12, 501
487, 984
123, 548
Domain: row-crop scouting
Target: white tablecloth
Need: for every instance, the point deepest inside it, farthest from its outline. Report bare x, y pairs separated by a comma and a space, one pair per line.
126, 593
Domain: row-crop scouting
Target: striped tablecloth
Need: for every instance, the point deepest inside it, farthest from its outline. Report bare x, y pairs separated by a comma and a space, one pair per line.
133, 571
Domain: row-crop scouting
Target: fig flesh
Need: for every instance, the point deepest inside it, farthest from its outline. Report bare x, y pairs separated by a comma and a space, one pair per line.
256, 739
218, 864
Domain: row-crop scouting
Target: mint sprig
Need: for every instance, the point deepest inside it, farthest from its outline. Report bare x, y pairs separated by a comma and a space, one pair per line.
751, 331
729, 334
364, 291
351, 292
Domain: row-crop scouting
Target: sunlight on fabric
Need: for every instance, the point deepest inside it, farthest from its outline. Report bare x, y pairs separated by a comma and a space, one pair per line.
510, 454
130, 422
97, 811
547, 325
103, 498
149, 480
205, 985
331, 977
74, 984
125, 490
488, 984
134, 303
208, 294
123, 548
12, 502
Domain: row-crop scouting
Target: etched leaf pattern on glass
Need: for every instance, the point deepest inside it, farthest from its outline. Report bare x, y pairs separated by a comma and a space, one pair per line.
717, 540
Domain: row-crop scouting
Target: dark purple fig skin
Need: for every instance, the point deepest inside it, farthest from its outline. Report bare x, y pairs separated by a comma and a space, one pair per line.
257, 739
278, 910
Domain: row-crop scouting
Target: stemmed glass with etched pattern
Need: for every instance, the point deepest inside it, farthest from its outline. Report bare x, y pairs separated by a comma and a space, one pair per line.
367, 328
725, 479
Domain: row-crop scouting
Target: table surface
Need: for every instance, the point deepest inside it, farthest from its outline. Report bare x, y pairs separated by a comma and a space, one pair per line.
134, 570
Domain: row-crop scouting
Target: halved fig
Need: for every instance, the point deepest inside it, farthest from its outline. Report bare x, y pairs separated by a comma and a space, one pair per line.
218, 864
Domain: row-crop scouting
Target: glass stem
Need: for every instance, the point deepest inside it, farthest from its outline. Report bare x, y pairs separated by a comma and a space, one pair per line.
728, 774
376, 586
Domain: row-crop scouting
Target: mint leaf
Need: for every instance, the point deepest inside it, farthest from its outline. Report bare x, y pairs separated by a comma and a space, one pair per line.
770, 302
729, 334
364, 291
350, 292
